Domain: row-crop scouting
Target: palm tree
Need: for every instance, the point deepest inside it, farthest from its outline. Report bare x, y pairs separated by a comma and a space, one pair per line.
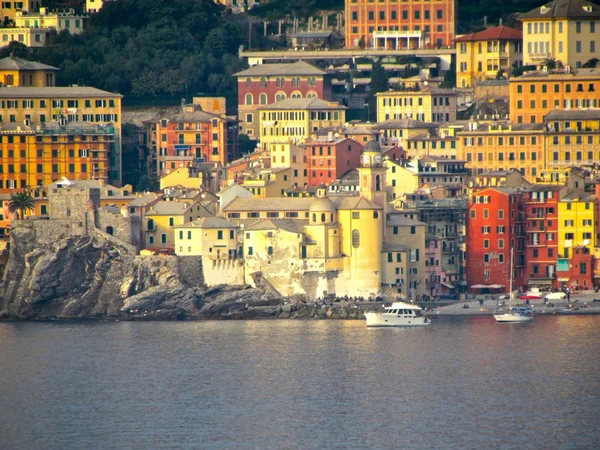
22, 202
553, 63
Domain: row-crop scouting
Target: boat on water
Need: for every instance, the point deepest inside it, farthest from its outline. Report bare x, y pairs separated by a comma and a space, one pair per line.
514, 314
531, 294
400, 314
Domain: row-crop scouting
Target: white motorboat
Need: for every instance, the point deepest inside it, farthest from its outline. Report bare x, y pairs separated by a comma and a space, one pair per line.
514, 314
400, 314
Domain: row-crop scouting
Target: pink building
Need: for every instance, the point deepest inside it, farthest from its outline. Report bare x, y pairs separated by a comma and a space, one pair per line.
269, 83
329, 159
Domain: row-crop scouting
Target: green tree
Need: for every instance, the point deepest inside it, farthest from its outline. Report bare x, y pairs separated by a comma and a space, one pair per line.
146, 183
552, 64
21, 202
591, 63
379, 83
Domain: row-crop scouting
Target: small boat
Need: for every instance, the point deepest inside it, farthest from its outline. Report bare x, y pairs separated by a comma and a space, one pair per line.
400, 314
531, 294
515, 314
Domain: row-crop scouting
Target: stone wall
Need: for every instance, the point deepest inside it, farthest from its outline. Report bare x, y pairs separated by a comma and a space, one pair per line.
124, 228
223, 271
190, 269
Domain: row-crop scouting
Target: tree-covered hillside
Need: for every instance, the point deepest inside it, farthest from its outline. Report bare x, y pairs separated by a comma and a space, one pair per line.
149, 49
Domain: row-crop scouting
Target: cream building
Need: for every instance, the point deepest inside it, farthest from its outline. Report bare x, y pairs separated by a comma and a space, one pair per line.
73, 23
563, 30
422, 103
294, 119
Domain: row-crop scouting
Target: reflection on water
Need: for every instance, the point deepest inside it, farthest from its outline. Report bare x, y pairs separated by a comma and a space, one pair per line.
461, 383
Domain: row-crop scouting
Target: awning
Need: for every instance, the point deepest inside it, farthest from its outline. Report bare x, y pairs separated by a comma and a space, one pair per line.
479, 286
564, 279
496, 286
449, 286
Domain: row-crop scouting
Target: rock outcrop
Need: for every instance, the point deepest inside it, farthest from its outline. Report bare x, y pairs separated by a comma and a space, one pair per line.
89, 277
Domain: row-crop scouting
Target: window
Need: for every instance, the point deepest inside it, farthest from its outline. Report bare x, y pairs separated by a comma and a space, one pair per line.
355, 238
356, 214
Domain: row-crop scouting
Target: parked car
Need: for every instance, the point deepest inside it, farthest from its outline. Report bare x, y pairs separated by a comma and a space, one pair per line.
555, 296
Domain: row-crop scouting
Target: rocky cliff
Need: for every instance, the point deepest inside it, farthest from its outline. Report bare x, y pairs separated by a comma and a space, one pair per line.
49, 275
90, 277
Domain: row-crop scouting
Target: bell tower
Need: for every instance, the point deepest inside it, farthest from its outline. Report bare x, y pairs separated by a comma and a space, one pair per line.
372, 174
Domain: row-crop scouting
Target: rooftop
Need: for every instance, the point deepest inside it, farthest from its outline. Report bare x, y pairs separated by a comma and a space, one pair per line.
499, 33
15, 63
282, 69
168, 208
55, 92
273, 224
209, 222
564, 9
573, 114
303, 103
403, 123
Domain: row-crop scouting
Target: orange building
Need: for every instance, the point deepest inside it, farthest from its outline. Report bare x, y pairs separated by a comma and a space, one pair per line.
194, 136
535, 94
391, 24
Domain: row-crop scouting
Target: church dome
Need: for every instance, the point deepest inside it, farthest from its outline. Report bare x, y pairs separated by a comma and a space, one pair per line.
322, 204
373, 147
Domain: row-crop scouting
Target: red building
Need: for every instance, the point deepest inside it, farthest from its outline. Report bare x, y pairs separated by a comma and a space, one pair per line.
396, 154
495, 227
577, 271
541, 212
329, 159
391, 24
264, 84
194, 136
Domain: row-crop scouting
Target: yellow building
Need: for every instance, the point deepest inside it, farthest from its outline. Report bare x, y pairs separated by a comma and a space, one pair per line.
73, 23
502, 146
292, 156
32, 156
30, 37
20, 72
400, 179
214, 238
93, 6
535, 94
162, 218
422, 103
576, 222
11, 8
59, 110
207, 176
395, 132
480, 56
267, 183
294, 119
563, 30
403, 256
572, 140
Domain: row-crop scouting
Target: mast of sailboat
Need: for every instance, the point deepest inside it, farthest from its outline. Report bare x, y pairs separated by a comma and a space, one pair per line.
510, 284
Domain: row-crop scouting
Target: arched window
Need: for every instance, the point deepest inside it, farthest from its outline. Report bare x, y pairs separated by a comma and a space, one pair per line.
249, 99
280, 96
248, 82
311, 94
323, 217
355, 238
378, 183
312, 81
295, 81
263, 82
263, 99
296, 94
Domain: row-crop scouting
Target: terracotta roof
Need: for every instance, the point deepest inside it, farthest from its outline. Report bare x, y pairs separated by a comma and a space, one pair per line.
500, 33
297, 68
302, 103
559, 9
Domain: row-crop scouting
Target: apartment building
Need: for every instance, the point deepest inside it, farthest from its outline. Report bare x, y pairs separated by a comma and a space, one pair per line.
389, 24
422, 103
482, 55
561, 30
